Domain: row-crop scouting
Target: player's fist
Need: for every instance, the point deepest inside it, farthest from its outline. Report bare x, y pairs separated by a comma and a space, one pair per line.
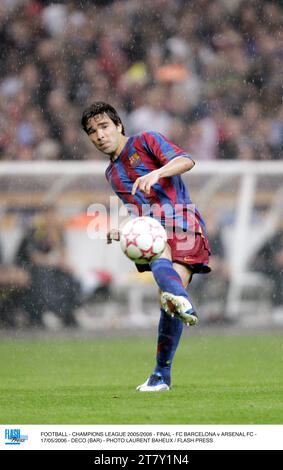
144, 183
113, 234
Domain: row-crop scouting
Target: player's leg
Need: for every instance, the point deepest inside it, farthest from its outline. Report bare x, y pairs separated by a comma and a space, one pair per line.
170, 278
169, 334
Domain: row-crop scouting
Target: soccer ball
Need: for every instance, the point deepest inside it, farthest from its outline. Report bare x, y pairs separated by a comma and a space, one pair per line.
143, 239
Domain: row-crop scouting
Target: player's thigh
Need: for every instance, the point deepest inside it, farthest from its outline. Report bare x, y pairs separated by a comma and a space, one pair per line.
184, 273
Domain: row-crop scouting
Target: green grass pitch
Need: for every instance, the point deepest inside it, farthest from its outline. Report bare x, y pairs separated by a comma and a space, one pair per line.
216, 380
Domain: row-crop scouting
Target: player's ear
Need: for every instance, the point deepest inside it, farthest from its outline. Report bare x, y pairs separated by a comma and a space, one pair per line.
120, 128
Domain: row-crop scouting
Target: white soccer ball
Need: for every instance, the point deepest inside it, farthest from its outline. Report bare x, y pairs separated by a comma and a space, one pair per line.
143, 240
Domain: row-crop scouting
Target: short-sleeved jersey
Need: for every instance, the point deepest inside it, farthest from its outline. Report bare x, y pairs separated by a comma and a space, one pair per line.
169, 200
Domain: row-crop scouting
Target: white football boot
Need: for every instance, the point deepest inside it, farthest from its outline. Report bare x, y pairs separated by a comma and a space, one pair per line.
155, 383
182, 308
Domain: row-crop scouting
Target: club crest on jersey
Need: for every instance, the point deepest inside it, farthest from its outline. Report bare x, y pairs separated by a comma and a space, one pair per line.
134, 159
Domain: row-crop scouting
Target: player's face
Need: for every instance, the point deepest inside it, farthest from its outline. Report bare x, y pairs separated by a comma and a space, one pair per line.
105, 135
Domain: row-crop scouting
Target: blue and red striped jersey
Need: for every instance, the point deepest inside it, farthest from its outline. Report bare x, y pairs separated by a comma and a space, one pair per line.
169, 200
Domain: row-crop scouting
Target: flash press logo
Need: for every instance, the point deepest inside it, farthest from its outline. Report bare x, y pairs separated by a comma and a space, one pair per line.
13, 437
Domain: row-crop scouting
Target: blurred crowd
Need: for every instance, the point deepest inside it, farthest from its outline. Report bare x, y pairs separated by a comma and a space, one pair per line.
206, 73
39, 286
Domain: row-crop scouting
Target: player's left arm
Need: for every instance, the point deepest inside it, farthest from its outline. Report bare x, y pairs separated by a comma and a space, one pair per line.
115, 233
174, 167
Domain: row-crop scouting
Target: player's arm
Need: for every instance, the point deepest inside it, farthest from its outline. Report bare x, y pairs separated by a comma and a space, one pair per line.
177, 166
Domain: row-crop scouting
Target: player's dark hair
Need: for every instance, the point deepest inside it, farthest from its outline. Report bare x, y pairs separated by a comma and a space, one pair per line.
99, 107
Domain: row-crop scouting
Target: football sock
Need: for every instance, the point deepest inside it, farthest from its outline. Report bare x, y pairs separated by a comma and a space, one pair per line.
169, 333
167, 278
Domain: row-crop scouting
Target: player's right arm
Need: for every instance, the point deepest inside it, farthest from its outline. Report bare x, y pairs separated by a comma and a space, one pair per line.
172, 160
174, 167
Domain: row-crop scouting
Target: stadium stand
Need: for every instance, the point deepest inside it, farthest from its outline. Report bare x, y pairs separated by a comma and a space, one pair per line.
206, 73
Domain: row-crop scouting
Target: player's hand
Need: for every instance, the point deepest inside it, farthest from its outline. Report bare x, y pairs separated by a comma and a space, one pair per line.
113, 234
144, 183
